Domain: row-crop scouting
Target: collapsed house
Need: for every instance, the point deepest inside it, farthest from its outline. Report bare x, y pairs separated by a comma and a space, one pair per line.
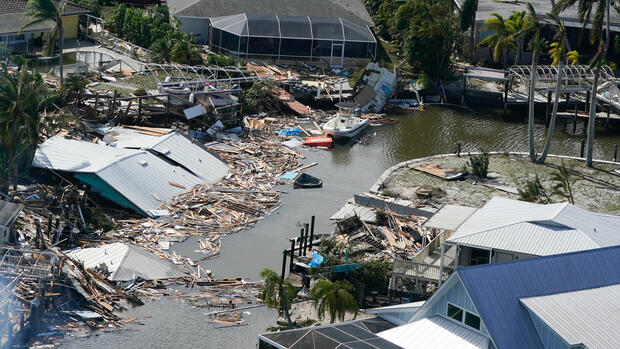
140, 173
375, 88
123, 262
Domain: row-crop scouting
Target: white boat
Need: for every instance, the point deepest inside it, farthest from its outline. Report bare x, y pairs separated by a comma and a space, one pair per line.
347, 123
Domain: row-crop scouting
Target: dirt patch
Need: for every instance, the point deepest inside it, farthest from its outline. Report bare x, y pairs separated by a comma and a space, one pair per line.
596, 189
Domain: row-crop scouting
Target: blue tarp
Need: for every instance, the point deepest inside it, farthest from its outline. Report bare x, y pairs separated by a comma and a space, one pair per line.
290, 131
317, 259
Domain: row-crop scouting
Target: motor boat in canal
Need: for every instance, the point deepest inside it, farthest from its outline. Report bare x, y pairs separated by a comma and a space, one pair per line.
347, 123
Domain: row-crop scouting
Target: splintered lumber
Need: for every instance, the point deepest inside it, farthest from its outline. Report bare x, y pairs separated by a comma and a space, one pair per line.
443, 173
177, 185
304, 167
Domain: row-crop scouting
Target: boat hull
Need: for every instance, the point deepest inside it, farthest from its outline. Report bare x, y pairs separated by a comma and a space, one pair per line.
346, 133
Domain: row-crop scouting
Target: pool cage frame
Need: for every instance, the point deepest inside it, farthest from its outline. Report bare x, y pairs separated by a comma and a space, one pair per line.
291, 38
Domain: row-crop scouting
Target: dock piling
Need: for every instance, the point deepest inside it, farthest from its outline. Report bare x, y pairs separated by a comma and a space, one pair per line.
301, 241
615, 153
583, 143
311, 231
306, 242
283, 264
290, 266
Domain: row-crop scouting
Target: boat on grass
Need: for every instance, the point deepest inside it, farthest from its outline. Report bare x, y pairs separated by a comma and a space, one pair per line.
347, 123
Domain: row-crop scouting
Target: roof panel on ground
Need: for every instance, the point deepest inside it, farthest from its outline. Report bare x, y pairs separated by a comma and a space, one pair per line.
588, 317
8, 212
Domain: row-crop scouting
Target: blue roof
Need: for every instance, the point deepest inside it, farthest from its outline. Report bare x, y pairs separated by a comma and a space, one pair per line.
496, 289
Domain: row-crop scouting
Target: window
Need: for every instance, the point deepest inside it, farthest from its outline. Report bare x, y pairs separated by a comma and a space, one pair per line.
455, 312
472, 320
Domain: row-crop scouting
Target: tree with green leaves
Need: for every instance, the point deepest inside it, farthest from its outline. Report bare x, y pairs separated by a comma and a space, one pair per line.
71, 88
468, 22
278, 294
430, 41
558, 54
501, 40
591, 13
334, 297
23, 98
563, 182
534, 191
43, 10
261, 97
161, 50
184, 52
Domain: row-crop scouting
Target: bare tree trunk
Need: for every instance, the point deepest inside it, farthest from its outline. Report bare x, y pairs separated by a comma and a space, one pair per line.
532, 96
607, 35
592, 117
554, 114
15, 176
472, 38
287, 315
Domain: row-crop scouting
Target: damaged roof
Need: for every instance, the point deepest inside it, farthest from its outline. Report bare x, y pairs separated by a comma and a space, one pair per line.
136, 179
127, 262
8, 213
173, 145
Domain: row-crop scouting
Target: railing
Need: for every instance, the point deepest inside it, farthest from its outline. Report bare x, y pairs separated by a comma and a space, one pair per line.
116, 44
415, 270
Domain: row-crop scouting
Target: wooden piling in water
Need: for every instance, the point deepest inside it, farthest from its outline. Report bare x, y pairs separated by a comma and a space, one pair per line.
290, 267
311, 231
306, 242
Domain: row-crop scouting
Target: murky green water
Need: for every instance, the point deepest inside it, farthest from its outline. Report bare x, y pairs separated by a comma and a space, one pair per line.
345, 170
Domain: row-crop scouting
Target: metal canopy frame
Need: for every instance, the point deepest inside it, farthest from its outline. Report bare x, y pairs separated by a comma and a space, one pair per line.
574, 77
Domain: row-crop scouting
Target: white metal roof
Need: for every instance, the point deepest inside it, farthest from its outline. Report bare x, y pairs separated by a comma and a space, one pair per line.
127, 262
537, 229
435, 332
141, 177
449, 217
398, 314
590, 317
193, 156
366, 214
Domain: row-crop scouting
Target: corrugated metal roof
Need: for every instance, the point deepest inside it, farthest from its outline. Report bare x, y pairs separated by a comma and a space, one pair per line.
495, 289
141, 177
69, 155
435, 332
590, 317
535, 229
175, 146
366, 214
127, 262
530, 238
449, 217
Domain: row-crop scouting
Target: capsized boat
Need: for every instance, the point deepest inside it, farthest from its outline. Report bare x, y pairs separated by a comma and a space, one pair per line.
306, 181
347, 123
319, 141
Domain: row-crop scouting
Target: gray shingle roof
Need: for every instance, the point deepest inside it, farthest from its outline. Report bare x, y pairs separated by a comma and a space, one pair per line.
351, 10
10, 7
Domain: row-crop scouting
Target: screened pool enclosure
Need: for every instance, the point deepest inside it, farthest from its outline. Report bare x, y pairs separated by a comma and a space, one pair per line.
291, 38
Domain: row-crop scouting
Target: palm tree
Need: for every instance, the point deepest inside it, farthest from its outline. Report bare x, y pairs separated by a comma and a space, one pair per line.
468, 21
500, 41
160, 50
558, 54
278, 294
537, 45
516, 24
335, 298
185, 52
591, 12
22, 99
563, 182
43, 10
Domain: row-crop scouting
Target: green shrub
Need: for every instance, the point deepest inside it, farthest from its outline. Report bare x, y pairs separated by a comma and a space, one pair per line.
139, 92
479, 164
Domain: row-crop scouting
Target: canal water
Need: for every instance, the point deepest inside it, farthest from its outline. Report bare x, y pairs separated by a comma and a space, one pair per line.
345, 170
